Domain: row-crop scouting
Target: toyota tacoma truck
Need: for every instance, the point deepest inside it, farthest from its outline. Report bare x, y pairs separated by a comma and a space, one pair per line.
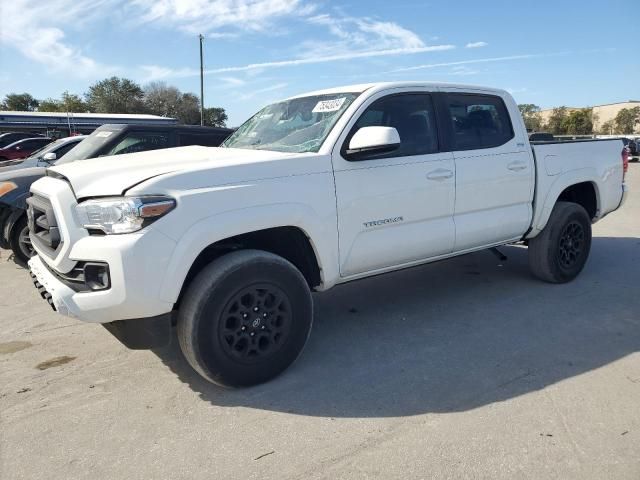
228, 243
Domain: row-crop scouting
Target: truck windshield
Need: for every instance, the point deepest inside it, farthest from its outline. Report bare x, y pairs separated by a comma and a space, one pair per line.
297, 125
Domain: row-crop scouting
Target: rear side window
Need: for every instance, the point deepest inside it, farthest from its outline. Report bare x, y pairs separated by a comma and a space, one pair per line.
206, 140
33, 144
411, 114
65, 148
478, 121
140, 142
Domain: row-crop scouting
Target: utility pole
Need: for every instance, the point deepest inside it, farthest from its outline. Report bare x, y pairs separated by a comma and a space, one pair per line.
201, 82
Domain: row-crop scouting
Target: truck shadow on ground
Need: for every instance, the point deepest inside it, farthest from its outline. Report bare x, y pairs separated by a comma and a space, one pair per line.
450, 336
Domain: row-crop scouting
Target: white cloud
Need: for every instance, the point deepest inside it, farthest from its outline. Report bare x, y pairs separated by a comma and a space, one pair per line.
359, 35
232, 81
476, 45
152, 73
36, 28
35, 32
348, 55
272, 88
463, 70
208, 16
477, 60
354, 38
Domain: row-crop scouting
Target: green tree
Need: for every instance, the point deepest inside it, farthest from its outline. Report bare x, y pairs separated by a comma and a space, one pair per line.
115, 95
168, 101
73, 103
215, 117
69, 102
49, 105
531, 115
556, 124
608, 128
189, 111
20, 102
627, 119
160, 99
578, 122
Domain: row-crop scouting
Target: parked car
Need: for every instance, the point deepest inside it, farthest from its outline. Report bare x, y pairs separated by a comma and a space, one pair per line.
11, 137
21, 149
634, 150
106, 140
541, 137
48, 154
311, 192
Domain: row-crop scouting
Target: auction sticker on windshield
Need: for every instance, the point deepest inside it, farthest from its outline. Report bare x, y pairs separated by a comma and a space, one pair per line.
329, 105
104, 134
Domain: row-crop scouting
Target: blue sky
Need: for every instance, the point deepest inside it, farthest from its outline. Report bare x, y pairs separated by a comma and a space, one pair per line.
563, 52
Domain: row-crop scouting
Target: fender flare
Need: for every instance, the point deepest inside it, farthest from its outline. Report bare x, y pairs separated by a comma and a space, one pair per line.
559, 185
215, 228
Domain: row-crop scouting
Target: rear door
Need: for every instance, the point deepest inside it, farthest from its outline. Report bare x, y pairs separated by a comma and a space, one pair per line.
394, 208
494, 169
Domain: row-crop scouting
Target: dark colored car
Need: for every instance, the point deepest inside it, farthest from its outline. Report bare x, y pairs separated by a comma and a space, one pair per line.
541, 137
21, 149
47, 155
104, 141
634, 150
11, 137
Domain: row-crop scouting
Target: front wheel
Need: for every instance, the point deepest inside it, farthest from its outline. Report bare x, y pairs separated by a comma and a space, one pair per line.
20, 241
558, 254
245, 318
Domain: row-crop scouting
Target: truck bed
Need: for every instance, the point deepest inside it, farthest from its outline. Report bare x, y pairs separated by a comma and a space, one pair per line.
578, 161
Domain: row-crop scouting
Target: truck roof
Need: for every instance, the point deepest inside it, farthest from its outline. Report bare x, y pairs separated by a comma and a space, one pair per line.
359, 88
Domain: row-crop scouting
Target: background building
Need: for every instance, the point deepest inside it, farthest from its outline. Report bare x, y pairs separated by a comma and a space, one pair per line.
57, 125
602, 113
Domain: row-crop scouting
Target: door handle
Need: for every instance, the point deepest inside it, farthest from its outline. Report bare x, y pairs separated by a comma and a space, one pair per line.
517, 166
440, 174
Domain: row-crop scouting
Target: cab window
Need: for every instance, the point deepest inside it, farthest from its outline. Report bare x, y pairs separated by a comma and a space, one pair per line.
478, 121
411, 114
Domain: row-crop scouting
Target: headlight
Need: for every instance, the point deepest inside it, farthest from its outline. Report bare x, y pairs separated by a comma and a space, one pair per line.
115, 215
6, 187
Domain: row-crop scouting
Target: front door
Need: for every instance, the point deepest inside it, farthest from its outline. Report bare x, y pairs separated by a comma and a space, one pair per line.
395, 208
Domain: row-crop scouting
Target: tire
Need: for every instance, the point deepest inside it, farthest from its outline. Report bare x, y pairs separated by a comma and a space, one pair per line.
558, 254
20, 242
218, 332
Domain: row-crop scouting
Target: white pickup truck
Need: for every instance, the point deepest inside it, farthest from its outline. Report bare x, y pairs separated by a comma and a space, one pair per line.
311, 192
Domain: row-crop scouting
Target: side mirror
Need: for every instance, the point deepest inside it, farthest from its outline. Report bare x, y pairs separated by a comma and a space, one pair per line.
50, 157
373, 140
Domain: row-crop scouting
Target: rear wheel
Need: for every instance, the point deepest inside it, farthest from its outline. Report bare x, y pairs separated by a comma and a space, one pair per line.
245, 318
558, 254
20, 241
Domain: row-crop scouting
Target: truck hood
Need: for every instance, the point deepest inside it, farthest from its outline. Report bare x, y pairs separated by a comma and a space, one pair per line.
115, 175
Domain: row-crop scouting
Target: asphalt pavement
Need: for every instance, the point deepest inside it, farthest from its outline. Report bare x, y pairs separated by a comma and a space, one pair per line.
468, 368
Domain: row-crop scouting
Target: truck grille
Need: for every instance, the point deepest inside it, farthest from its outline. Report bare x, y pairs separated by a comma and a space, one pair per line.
43, 225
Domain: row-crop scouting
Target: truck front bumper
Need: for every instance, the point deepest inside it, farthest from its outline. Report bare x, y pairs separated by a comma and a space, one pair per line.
135, 264
136, 334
